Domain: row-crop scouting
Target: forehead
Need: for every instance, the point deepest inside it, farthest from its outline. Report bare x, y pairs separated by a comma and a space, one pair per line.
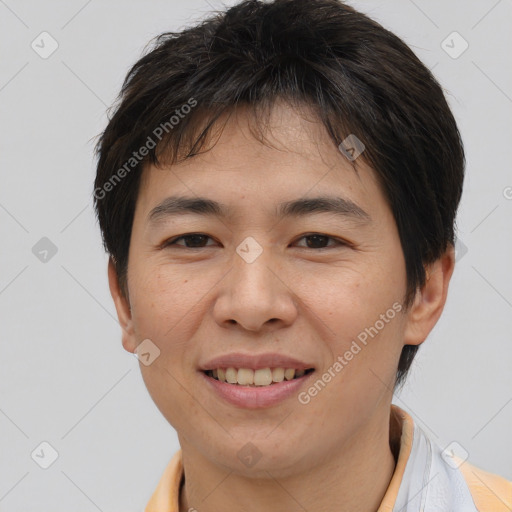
288, 156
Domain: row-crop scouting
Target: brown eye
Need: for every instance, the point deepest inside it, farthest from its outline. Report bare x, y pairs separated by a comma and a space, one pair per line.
319, 241
192, 241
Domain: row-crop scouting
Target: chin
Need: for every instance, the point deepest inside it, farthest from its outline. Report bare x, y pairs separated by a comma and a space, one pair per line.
260, 459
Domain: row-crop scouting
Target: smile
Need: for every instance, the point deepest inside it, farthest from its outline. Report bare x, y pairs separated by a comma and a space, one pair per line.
245, 392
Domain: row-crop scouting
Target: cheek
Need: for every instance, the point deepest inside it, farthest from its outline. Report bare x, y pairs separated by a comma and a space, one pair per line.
362, 308
165, 310
165, 300
351, 298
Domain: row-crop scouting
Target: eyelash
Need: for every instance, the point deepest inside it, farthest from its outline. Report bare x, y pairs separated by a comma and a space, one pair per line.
172, 241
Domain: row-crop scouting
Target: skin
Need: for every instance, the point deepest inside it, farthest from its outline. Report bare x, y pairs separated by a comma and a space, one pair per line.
332, 454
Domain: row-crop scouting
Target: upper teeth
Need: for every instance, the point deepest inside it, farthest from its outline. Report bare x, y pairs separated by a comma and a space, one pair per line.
261, 377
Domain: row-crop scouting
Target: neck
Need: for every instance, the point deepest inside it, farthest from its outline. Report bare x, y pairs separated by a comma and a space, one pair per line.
353, 478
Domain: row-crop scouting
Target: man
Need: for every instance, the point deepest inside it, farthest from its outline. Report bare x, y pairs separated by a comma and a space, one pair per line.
277, 191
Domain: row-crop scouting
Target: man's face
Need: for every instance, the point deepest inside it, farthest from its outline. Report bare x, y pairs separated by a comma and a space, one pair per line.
257, 282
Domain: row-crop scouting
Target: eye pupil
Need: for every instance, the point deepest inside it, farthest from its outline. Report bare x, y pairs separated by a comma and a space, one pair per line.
194, 238
316, 237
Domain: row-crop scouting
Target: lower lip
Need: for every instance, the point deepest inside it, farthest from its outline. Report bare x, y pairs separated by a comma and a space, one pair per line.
251, 397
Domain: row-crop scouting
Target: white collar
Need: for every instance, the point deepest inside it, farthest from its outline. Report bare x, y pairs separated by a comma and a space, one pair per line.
432, 481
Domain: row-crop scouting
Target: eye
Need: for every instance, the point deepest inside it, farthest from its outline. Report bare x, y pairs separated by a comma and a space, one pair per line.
318, 239
192, 241
198, 241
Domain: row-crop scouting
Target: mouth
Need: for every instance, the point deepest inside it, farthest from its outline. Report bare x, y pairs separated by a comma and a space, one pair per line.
263, 377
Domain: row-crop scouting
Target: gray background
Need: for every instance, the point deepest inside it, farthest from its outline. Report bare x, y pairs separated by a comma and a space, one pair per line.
64, 376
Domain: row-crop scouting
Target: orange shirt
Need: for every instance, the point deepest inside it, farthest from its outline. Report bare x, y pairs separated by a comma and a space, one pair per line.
426, 479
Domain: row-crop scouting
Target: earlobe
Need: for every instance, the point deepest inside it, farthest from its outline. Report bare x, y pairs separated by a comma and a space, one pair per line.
123, 310
430, 300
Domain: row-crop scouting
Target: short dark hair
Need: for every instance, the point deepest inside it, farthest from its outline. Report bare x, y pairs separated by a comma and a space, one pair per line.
356, 76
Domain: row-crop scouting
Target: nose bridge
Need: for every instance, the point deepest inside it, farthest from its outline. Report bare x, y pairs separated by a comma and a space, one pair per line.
252, 274
254, 292
253, 279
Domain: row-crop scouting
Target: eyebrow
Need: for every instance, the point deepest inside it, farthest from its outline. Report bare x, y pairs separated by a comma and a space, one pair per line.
180, 205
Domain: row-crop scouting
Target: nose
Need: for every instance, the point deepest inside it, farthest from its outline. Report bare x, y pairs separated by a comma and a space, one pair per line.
255, 296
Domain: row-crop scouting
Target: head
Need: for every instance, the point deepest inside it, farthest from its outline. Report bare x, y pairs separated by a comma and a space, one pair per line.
256, 108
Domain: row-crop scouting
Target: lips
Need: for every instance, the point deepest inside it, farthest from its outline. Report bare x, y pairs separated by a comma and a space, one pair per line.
255, 381
255, 396
255, 362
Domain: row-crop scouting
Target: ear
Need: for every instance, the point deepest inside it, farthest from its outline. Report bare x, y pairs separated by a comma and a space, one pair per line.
124, 313
430, 300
